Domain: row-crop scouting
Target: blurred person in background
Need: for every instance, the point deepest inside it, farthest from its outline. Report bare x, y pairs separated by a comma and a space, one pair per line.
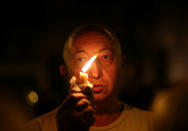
171, 108
96, 109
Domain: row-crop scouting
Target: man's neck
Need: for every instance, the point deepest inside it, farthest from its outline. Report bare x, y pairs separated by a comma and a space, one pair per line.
107, 112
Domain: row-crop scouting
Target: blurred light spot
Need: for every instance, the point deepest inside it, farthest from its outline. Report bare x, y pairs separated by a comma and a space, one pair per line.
32, 97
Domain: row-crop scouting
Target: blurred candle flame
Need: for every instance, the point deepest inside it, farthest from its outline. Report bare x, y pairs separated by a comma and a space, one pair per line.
88, 64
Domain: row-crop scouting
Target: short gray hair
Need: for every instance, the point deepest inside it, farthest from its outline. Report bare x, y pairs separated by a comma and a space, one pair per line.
86, 28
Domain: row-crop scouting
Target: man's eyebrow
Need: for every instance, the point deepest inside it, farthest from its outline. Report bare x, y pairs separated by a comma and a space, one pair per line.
80, 51
103, 49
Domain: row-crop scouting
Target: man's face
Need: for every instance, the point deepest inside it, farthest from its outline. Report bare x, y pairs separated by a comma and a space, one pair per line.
103, 71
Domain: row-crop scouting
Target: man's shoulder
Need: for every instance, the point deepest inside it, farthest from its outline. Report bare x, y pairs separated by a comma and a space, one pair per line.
146, 114
46, 117
140, 111
137, 111
143, 118
43, 122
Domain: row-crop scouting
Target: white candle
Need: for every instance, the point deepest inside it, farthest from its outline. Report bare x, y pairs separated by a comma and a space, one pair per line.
84, 80
83, 77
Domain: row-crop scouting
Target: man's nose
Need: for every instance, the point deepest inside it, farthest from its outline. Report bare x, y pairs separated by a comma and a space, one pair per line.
95, 70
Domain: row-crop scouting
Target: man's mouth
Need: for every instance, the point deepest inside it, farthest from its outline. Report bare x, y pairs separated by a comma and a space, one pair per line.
97, 88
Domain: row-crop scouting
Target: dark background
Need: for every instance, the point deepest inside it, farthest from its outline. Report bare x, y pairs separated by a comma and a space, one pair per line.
153, 34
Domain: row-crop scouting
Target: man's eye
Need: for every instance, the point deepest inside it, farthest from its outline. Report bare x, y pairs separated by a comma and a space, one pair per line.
106, 56
105, 59
81, 59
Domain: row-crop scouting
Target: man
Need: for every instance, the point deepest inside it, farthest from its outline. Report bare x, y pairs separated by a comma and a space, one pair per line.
103, 111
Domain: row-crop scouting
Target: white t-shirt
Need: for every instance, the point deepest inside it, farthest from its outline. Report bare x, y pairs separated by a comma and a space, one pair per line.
131, 119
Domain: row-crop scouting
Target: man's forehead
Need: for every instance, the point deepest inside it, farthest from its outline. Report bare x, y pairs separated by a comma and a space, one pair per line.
91, 36
91, 40
93, 44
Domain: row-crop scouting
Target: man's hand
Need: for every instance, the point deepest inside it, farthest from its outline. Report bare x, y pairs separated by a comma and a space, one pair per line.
77, 111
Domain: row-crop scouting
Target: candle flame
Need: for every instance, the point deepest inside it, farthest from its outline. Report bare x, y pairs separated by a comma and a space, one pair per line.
88, 64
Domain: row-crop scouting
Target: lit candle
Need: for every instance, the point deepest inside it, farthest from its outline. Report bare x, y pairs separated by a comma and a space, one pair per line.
84, 75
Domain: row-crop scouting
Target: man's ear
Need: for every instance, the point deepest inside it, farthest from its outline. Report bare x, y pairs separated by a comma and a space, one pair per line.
63, 71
